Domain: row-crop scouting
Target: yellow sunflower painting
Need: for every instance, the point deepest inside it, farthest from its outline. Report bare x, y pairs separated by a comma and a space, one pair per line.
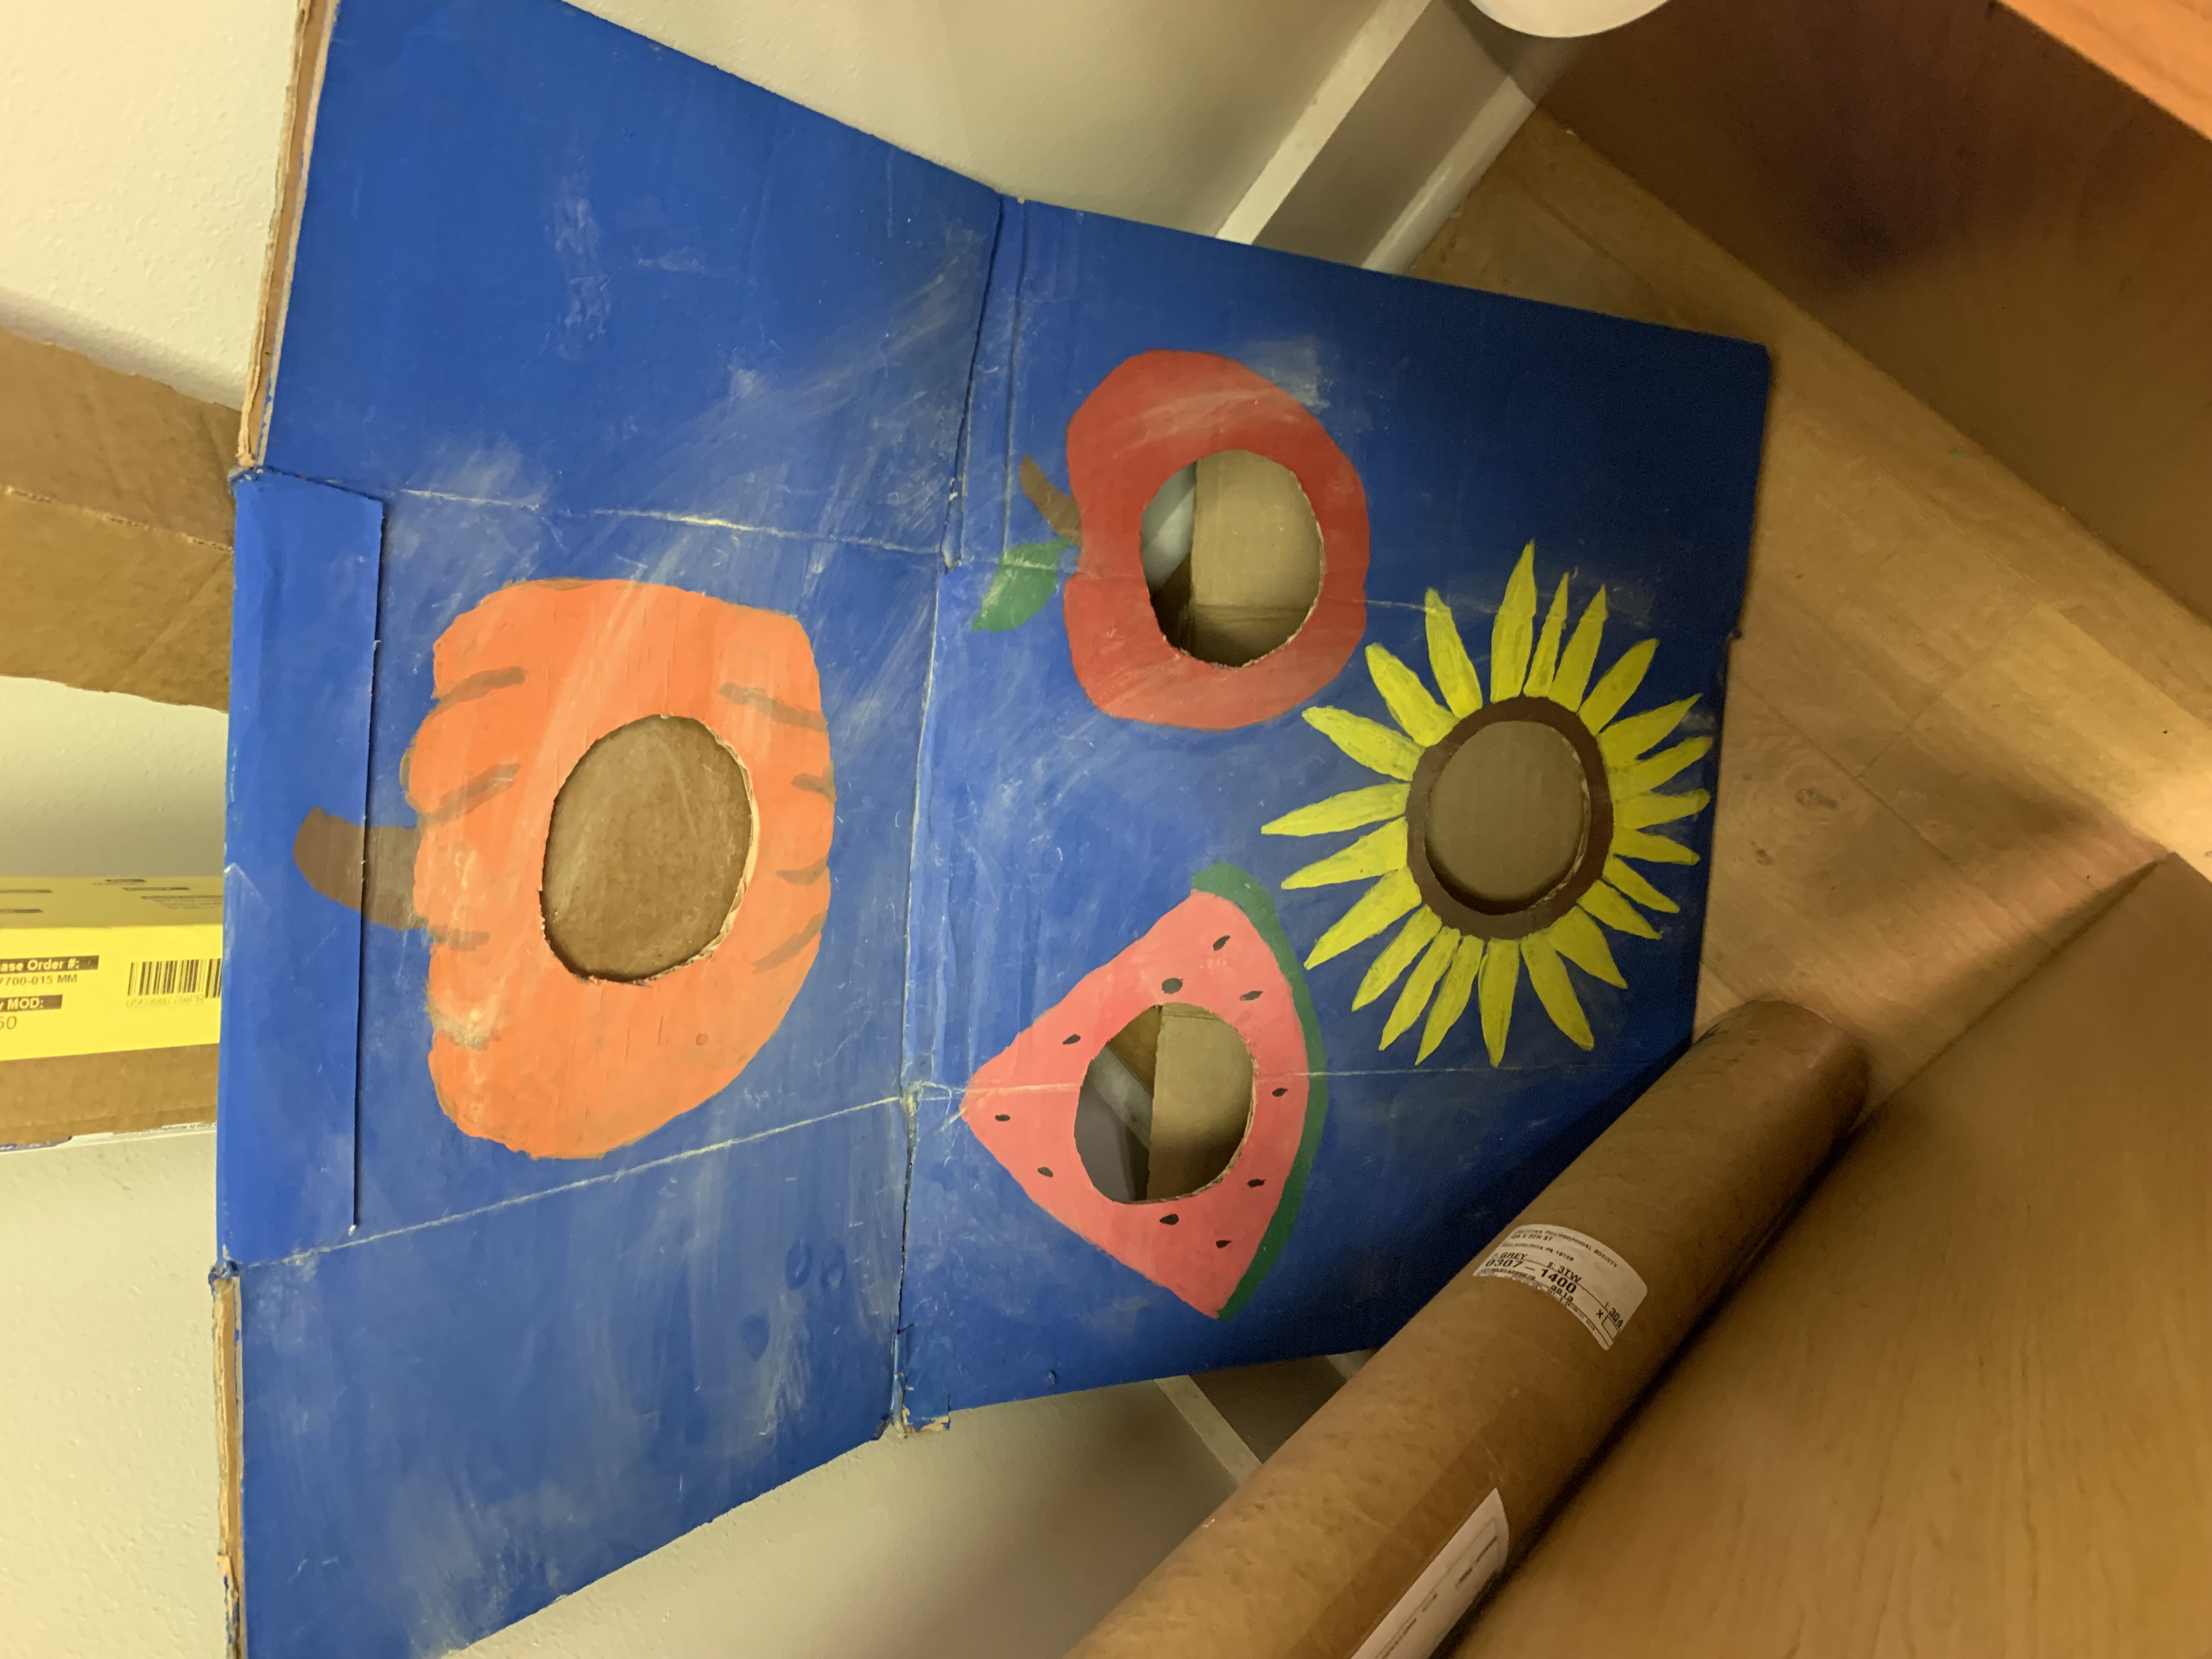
1462, 945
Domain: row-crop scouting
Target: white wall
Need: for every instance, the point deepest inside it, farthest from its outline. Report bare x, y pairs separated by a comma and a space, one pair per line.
96, 784
138, 138
138, 155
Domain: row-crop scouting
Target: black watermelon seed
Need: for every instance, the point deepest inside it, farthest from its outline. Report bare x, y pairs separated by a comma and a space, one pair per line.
1001, 1117
1220, 1244
1249, 996
1223, 940
1171, 986
1170, 1220
1280, 1093
1256, 1182
1042, 1170
1077, 1037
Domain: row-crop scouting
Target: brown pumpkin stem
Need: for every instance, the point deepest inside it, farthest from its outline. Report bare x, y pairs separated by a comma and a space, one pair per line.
1056, 506
371, 870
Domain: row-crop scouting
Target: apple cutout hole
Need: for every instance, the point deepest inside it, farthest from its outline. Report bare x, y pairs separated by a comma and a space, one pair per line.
1165, 1105
1232, 554
1509, 816
646, 852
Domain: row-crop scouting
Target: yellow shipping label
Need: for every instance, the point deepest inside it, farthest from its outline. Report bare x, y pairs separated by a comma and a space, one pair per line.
92, 966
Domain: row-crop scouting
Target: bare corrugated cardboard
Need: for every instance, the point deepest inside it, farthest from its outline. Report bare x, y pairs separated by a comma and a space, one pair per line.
1498, 1388
114, 529
115, 558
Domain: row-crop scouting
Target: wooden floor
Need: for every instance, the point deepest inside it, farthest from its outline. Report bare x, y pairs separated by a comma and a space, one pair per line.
1957, 723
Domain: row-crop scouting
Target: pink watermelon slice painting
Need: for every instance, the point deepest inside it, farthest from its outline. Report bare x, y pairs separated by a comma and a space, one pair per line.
1222, 950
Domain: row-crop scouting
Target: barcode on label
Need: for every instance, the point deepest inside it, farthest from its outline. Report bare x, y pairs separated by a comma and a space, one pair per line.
1589, 1280
192, 976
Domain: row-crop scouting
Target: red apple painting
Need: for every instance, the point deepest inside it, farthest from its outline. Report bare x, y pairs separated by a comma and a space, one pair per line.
1155, 414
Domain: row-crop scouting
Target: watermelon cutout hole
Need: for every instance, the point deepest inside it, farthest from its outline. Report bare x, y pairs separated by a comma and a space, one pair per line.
1214, 1001
1232, 554
1165, 1105
647, 852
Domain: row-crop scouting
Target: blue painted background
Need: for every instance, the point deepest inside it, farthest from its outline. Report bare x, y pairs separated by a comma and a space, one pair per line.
542, 259
448, 1427
1052, 836
869, 613
568, 304
303, 640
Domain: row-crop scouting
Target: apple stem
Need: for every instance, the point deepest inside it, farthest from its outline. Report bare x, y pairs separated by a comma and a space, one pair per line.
1054, 504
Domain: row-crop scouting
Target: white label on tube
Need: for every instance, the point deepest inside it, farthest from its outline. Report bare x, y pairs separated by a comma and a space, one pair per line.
1585, 1278
1447, 1587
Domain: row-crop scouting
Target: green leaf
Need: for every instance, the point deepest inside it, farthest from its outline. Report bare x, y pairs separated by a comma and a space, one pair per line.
1025, 580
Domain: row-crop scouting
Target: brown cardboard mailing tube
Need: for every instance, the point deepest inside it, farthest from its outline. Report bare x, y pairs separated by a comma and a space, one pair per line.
1375, 1527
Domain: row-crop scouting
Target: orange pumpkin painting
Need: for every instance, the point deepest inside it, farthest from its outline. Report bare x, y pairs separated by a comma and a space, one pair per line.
526, 1049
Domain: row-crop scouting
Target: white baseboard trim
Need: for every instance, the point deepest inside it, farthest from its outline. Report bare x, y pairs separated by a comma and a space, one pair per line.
1522, 68
1212, 1428
1370, 50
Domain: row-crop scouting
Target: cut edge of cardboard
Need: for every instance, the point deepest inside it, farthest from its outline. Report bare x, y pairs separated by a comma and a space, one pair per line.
230, 1460
311, 40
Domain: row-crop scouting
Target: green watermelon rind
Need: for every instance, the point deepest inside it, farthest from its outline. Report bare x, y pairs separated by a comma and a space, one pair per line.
1228, 882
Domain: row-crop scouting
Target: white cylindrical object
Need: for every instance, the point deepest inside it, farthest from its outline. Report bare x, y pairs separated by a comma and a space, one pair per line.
1565, 20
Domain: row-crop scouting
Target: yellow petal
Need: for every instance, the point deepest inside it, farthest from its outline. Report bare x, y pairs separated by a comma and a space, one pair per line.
1547, 975
1373, 744
1652, 849
1581, 942
1624, 740
1645, 810
1413, 938
1515, 630
1646, 775
1346, 812
1375, 854
1501, 977
1424, 718
1626, 878
1616, 911
1618, 684
1448, 659
1419, 985
1572, 679
1381, 905
1451, 996
1544, 665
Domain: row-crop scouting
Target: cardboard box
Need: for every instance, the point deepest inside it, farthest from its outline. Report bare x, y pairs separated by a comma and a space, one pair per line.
115, 558
114, 529
625, 434
110, 996
103, 965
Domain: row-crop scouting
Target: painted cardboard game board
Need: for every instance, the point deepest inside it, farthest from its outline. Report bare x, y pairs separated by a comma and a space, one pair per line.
743, 796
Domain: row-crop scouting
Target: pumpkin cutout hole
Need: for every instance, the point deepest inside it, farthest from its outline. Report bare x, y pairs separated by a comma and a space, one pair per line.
1165, 1105
1232, 554
647, 852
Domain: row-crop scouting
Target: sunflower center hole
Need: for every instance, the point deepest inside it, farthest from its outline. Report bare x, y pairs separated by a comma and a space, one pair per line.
1232, 556
1165, 1105
645, 859
1508, 818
